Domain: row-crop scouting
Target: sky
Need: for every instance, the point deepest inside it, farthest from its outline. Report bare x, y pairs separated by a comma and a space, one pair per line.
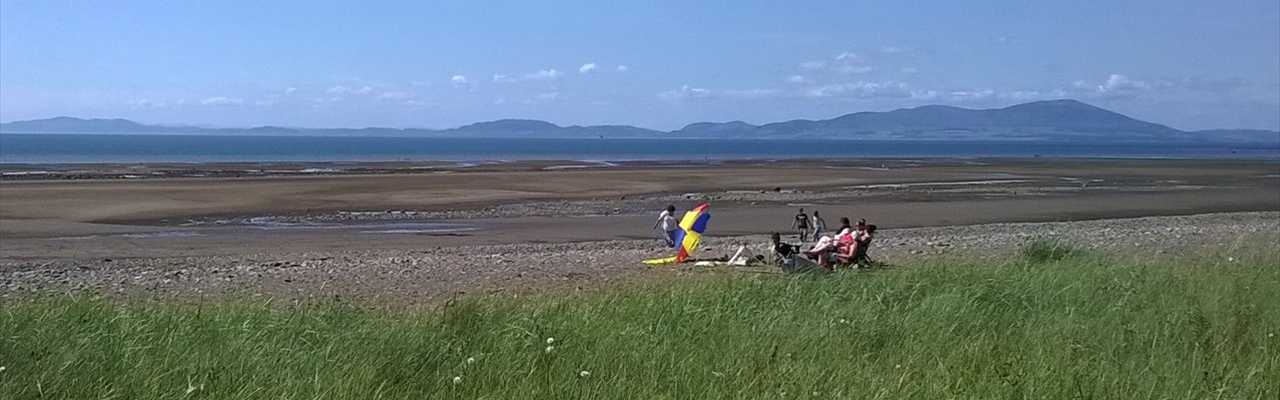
654, 64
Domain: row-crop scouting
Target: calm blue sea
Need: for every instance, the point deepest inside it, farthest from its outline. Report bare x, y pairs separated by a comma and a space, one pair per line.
50, 149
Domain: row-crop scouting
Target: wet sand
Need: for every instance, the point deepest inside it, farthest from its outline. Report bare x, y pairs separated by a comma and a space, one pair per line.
592, 220
520, 203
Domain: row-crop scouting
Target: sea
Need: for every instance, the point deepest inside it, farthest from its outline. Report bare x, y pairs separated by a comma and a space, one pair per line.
151, 148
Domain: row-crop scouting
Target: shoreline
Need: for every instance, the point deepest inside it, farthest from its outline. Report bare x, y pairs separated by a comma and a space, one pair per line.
132, 171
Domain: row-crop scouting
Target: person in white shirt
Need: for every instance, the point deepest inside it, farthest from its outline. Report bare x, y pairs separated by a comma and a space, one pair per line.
819, 225
667, 220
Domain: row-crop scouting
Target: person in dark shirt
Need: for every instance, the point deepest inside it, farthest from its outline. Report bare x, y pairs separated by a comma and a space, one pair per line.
786, 250
801, 225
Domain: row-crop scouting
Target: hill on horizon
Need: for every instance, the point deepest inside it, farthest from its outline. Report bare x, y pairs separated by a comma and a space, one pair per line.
1051, 120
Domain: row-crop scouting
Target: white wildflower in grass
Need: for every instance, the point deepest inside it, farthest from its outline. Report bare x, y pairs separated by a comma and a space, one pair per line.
844, 321
457, 380
549, 349
1270, 335
551, 340
1, 368
1231, 259
584, 373
471, 360
896, 366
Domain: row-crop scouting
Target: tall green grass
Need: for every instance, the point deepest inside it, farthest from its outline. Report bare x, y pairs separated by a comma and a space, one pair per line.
1057, 327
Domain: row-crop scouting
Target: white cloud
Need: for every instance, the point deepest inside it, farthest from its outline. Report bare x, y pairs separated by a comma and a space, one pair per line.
340, 90
542, 98
459, 80
222, 101
264, 103
146, 103
971, 95
1115, 86
750, 93
927, 95
415, 103
848, 57
847, 63
685, 92
290, 90
798, 79
853, 69
894, 50
540, 75
622, 68
862, 89
1117, 82
1022, 95
543, 74
395, 95
585, 68
813, 65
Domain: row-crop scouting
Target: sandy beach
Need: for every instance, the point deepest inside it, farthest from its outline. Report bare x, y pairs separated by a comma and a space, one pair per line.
426, 231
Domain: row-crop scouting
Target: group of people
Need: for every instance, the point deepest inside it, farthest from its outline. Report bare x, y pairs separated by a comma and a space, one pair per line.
847, 247
807, 226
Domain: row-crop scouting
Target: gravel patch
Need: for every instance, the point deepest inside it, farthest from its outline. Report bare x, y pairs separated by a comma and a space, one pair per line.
429, 275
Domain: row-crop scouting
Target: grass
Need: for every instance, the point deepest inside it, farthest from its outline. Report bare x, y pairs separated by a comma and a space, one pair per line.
1045, 250
1069, 326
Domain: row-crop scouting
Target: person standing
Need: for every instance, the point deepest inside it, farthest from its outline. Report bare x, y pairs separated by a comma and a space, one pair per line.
801, 225
819, 225
667, 220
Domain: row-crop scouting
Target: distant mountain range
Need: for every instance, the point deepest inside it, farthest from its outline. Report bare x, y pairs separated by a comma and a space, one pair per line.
1055, 120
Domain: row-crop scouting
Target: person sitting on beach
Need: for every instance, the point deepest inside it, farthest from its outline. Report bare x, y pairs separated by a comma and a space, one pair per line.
782, 251
857, 253
801, 225
785, 256
667, 220
825, 249
844, 228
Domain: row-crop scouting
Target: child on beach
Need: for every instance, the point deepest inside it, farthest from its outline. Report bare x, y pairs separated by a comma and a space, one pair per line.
667, 220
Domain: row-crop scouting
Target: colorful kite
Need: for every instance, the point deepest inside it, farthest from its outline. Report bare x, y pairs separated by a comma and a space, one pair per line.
689, 236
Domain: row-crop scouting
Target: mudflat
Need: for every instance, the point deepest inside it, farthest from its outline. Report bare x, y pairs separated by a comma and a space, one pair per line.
407, 205
414, 231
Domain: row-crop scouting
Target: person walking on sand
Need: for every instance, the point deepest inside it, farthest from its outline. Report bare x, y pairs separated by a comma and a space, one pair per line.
819, 225
667, 220
801, 225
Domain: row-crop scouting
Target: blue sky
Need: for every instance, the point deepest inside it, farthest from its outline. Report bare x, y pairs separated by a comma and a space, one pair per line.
1188, 64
